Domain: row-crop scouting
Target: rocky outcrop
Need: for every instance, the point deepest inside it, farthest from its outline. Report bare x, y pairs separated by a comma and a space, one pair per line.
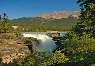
53, 34
12, 48
20, 40
56, 37
9, 52
60, 14
30, 40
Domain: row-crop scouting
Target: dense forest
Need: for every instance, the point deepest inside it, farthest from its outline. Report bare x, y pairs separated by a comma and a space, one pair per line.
64, 22
78, 45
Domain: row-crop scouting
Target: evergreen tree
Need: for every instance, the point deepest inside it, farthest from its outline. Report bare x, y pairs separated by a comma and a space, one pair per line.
86, 22
4, 23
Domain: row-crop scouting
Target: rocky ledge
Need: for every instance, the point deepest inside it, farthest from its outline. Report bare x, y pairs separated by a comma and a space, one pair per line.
56, 34
13, 47
56, 37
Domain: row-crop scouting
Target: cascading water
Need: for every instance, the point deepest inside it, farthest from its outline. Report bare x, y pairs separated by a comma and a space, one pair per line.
32, 43
45, 43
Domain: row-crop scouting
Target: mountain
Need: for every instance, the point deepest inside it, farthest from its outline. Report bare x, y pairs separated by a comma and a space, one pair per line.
56, 18
60, 14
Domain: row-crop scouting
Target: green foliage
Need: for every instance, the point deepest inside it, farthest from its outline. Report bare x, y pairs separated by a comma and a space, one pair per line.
43, 58
79, 49
84, 59
79, 44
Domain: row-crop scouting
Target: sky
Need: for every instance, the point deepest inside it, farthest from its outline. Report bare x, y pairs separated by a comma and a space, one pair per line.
15, 9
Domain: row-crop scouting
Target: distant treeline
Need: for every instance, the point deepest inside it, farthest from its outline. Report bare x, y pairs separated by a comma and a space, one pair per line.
33, 28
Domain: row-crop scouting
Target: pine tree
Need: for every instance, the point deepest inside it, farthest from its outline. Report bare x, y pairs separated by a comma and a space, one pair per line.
4, 23
86, 22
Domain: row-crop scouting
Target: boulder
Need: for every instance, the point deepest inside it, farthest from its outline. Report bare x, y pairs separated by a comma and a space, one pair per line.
56, 37
30, 40
35, 41
53, 34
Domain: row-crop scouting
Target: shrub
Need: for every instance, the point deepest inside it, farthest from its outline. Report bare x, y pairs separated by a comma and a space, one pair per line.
79, 44
43, 59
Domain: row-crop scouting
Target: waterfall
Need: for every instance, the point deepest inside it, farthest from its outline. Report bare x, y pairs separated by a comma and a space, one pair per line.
32, 43
45, 43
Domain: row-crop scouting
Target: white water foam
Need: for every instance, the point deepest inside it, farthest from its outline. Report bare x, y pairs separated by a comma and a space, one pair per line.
46, 43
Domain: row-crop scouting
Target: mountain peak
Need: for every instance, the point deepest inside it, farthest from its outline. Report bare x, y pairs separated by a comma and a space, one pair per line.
60, 14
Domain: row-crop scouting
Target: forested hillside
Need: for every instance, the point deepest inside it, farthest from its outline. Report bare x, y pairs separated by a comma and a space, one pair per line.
64, 22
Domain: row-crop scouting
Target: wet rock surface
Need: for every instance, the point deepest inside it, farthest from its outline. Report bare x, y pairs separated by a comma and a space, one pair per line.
30, 40
56, 37
53, 34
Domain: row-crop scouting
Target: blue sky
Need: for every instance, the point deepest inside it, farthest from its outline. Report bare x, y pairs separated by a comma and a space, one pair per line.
29, 8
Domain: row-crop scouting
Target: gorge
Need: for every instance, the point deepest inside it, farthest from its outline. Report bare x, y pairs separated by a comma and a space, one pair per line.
45, 39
